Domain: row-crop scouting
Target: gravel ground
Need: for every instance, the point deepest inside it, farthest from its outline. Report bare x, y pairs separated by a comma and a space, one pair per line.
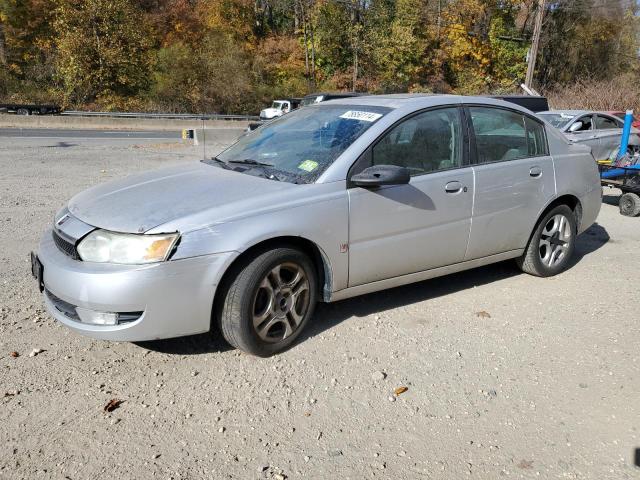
506, 374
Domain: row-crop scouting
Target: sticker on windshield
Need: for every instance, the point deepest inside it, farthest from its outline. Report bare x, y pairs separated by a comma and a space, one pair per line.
308, 165
362, 116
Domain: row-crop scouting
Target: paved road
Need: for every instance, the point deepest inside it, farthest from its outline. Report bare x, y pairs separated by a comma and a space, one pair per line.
88, 134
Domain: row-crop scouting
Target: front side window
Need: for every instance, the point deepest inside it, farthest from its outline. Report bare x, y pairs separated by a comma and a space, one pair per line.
586, 124
427, 142
301, 144
605, 123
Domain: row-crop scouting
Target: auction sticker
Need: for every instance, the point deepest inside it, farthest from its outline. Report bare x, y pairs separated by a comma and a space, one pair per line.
308, 165
362, 116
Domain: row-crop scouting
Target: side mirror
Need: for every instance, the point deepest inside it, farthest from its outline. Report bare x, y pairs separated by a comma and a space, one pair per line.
379, 175
576, 126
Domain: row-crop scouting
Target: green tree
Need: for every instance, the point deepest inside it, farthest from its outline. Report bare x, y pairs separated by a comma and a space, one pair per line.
103, 50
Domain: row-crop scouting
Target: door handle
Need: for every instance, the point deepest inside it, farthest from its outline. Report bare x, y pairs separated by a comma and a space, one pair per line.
535, 172
453, 187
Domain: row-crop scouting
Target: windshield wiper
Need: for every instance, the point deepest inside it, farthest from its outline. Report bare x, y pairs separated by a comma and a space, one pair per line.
250, 161
217, 161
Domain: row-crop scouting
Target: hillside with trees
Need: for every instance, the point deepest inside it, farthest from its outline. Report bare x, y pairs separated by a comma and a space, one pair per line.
232, 56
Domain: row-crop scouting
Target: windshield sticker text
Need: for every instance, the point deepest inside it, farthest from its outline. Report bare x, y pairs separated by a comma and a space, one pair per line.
362, 116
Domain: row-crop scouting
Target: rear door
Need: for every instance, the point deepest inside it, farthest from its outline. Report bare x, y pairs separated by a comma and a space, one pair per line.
514, 179
401, 229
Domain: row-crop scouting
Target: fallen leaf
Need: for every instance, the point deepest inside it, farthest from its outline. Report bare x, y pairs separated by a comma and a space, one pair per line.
526, 464
14, 354
307, 414
483, 314
400, 390
112, 405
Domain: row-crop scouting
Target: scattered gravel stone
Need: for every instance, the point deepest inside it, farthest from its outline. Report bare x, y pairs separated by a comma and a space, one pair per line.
378, 376
36, 351
334, 452
221, 429
392, 398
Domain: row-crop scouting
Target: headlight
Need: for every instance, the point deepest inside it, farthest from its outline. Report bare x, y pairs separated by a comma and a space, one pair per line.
109, 247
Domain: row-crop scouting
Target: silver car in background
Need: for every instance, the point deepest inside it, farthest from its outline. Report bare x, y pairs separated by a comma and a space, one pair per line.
338, 199
598, 130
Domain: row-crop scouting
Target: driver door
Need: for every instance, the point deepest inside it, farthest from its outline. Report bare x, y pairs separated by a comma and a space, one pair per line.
400, 229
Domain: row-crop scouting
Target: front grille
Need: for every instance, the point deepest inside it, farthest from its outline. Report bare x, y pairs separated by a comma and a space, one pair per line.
65, 247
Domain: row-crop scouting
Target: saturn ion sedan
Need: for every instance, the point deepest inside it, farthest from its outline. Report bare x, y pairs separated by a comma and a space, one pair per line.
331, 201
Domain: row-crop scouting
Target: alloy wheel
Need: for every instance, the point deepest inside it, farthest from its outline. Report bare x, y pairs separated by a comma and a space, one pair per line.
281, 302
555, 240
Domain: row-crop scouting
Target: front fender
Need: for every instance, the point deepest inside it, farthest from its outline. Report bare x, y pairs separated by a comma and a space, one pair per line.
324, 223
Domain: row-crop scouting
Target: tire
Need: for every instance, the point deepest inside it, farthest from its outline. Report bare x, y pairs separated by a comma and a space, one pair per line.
630, 204
264, 289
23, 111
551, 245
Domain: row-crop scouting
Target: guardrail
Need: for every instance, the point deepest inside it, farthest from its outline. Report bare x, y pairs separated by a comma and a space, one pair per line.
171, 116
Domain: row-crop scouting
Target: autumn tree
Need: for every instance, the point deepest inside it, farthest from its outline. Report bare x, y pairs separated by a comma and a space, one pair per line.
103, 51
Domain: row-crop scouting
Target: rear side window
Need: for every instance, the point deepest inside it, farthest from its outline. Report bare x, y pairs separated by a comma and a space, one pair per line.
536, 138
604, 123
503, 135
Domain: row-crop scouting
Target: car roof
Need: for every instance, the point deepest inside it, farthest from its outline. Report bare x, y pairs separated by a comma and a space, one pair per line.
409, 101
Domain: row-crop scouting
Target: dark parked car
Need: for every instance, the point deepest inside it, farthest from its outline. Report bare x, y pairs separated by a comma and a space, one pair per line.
531, 102
29, 109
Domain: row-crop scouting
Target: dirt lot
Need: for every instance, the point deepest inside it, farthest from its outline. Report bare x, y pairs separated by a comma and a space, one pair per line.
507, 375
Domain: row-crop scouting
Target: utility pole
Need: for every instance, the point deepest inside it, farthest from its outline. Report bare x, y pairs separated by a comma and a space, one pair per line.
535, 42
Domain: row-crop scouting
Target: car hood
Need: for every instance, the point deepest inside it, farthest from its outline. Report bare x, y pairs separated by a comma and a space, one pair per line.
138, 203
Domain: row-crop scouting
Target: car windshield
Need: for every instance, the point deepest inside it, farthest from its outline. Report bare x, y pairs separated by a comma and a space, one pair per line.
558, 120
277, 105
302, 144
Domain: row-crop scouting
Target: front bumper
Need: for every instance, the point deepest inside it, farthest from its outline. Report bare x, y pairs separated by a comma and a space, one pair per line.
173, 298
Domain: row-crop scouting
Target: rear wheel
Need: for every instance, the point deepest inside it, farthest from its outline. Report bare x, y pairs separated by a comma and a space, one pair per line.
551, 245
630, 204
23, 111
269, 301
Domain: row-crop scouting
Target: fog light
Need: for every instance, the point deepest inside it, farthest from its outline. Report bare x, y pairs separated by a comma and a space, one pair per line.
96, 318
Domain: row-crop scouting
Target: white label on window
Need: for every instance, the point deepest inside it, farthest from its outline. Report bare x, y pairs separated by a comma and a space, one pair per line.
362, 116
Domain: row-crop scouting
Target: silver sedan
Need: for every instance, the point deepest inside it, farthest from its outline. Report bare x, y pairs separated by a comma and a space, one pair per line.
599, 130
331, 201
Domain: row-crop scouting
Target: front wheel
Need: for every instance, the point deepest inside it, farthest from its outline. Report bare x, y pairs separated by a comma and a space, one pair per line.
551, 245
269, 301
